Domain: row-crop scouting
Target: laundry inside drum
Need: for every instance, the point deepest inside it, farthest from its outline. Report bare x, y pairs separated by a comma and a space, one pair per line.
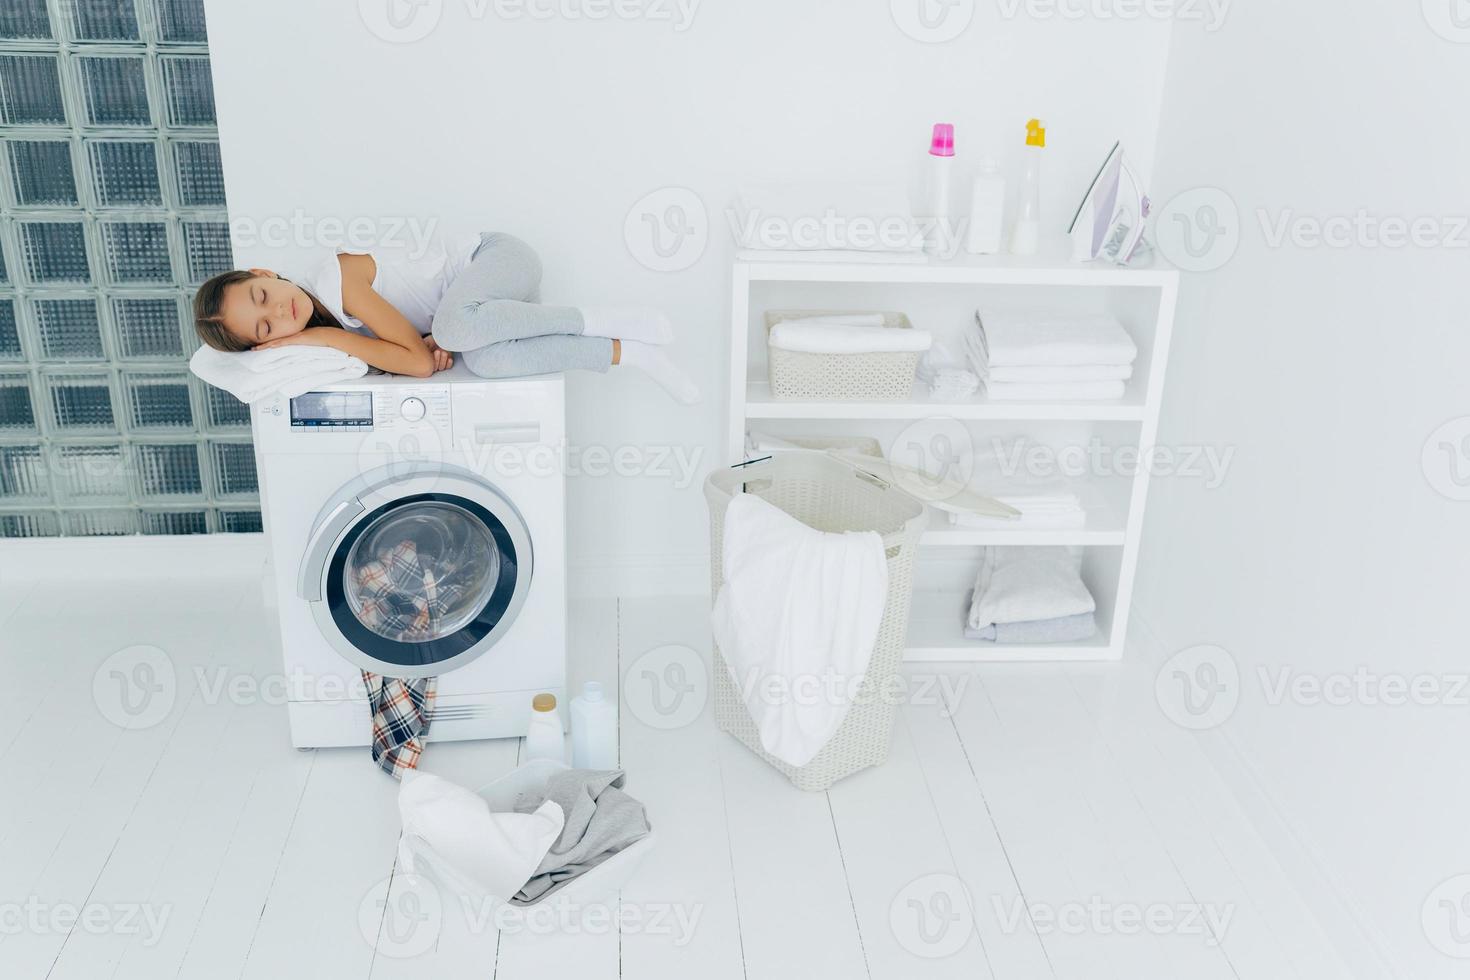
421, 571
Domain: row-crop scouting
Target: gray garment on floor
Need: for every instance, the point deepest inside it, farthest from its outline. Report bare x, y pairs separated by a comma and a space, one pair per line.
1062, 629
492, 316
601, 820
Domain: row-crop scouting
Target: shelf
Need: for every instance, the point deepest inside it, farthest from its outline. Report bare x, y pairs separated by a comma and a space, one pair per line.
1053, 269
1102, 530
936, 634
759, 404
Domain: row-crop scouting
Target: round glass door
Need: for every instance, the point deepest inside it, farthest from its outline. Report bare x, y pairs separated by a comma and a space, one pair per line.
423, 580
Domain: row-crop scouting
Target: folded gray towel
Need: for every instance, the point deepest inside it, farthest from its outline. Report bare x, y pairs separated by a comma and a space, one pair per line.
1062, 629
601, 820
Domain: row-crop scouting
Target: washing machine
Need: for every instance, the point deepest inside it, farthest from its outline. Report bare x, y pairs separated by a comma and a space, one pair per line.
417, 527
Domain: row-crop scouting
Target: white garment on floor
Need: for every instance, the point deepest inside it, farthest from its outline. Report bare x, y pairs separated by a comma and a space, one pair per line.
1022, 585
796, 617
838, 338
291, 370
498, 851
1052, 338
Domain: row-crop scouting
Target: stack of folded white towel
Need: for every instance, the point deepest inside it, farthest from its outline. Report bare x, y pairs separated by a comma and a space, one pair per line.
1031, 595
846, 333
1031, 356
1045, 502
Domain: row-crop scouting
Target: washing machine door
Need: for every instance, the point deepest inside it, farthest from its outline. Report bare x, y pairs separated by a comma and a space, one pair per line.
416, 571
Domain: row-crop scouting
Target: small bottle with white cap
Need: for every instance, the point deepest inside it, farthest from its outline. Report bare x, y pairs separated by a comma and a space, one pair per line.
594, 729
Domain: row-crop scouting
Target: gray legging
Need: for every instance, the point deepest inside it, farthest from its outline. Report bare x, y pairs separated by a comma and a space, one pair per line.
491, 314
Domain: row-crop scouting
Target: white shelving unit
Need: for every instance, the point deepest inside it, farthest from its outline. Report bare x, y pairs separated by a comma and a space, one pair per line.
941, 297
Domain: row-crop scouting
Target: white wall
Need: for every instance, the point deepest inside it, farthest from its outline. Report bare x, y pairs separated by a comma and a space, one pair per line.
1327, 548
553, 129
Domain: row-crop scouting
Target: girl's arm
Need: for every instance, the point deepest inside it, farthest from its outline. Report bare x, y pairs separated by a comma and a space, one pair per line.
397, 347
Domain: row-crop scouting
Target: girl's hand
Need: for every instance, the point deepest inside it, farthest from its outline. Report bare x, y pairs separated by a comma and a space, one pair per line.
443, 360
311, 337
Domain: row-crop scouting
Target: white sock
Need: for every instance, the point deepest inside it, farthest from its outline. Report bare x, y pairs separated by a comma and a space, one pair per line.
657, 365
639, 323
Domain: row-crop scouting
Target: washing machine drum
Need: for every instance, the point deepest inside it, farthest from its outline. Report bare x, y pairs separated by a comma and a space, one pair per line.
411, 583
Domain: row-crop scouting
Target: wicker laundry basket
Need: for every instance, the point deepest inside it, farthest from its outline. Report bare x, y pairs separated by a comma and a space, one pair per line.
827, 495
877, 376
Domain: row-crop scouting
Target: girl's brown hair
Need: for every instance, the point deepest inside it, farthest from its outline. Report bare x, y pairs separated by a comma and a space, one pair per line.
209, 304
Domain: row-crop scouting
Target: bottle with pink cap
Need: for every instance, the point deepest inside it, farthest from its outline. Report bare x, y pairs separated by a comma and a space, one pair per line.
941, 165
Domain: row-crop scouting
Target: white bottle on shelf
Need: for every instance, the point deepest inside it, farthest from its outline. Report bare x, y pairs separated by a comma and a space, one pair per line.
544, 734
594, 729
1026, 236
987, 210
941, 166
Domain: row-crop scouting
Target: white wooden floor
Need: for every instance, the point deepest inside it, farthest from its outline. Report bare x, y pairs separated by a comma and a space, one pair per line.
1029, 826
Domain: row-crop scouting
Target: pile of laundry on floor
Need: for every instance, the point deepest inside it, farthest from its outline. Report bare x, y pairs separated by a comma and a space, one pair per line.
1032, 356
1046, 502
575, 821
1031, 595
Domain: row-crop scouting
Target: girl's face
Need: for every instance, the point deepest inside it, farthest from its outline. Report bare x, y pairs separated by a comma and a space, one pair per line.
265, 308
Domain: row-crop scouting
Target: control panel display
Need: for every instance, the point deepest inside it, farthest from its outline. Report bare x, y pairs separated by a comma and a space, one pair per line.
332, 409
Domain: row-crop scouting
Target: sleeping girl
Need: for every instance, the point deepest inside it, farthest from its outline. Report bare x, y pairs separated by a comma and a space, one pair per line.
477, 298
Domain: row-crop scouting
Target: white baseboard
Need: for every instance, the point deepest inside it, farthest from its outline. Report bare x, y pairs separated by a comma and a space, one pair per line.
1347, 925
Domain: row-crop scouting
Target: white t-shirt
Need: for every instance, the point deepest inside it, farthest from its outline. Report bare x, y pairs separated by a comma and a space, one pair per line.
414, 284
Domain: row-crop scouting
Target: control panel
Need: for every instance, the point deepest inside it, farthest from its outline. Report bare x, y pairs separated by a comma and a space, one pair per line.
385, 408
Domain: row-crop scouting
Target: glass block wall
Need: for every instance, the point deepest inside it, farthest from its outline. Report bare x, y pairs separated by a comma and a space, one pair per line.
112, 209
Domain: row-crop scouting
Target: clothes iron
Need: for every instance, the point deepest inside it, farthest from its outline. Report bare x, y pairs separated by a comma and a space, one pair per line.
1110, 221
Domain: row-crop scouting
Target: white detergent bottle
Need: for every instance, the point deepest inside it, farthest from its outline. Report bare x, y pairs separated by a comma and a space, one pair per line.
941, 166
987, 210
544, 733
1026, 236
594, 729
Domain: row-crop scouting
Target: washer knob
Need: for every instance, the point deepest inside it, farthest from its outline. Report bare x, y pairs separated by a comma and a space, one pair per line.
412, 409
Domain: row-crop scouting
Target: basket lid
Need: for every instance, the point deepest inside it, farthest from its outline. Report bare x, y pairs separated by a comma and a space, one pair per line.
942, 492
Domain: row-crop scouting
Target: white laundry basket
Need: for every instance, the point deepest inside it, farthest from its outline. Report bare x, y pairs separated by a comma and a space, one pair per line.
827, 495
874, 376
592, 887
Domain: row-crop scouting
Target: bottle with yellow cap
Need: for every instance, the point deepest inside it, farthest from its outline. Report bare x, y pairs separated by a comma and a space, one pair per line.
544, 733
1026, 236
